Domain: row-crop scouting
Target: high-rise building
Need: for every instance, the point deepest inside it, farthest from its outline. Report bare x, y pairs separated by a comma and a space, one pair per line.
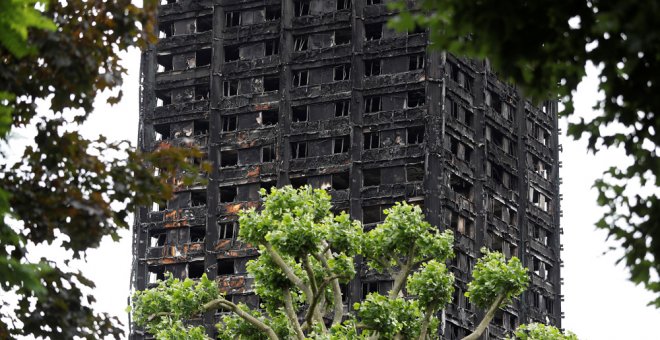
322, 92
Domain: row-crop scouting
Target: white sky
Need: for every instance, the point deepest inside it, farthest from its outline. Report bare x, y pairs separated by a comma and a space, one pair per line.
600, 303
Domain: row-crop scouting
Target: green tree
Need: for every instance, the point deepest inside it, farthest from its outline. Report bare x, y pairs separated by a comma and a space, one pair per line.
538, 331
543, 48
63, 189
306, 252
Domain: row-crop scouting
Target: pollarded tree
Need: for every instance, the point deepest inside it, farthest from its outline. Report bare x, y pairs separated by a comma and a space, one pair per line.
307, 252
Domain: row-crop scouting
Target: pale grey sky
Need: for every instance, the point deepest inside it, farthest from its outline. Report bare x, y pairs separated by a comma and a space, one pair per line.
600, 303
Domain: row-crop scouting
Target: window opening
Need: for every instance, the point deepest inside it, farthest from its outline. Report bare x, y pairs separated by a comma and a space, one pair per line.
373, 31
204, 23
298, 150
197, 198
371, 177
232, 19
415, 172
340, 180
229, 123
226, 230
231, 53
226, 267
269, 117
157, 238
342, 108
228, 194
372, 104
340, 145
300, 113
272, 47
230, 88
228, 158
343, 36
197, 234
268, 154
273, 13
271, 84
416, 62
343, 4
372, 67
300, 78
301, 43
371, 140
415, 98
203, 57
415, 135
298, 182
342, 72
301, 8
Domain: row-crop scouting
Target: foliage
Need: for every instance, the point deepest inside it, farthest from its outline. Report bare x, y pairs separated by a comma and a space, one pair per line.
543, 47
306, 252
16, 17
493, 275
66, 189
539, 331
389, 318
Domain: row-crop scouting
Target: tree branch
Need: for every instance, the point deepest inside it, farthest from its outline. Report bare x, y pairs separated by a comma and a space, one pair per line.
222, 302
288, 271
338, 306
291, 314
402, 276
310, 274
486, 320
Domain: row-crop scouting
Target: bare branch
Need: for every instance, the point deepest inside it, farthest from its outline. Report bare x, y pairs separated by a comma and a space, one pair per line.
288, 271
310, 274
402, 275
336, 289
222, 302
291, 314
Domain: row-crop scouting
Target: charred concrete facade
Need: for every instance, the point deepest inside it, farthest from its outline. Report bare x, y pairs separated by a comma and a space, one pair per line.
321, 92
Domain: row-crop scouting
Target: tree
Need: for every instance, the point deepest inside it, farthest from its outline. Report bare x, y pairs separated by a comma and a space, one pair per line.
307, 252
539, 331
64, 188
543, 48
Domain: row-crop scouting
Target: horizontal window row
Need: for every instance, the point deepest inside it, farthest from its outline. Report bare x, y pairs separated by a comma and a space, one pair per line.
182, 95
501, 176
539, 133
195, 269
393, 175
501, 140
199, 24
373, 214
540, 199
183, 61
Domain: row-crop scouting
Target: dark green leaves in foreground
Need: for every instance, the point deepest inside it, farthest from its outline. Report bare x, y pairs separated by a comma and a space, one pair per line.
67, 189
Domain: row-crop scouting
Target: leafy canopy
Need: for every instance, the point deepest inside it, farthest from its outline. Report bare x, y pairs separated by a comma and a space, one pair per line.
539, 331
306, 252
543, 47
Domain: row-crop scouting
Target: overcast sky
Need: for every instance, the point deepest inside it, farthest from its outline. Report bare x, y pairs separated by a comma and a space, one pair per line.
600, 303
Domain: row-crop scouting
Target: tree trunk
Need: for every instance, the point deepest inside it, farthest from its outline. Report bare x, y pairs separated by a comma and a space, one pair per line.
486, 320
425, 322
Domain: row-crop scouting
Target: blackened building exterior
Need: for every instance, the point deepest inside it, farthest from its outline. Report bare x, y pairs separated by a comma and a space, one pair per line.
321, 92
